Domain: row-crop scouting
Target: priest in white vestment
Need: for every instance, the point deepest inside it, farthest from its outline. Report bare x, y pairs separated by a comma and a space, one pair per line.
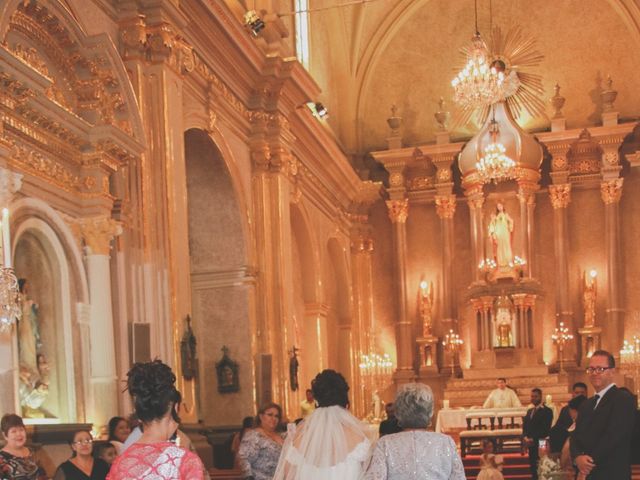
502, 397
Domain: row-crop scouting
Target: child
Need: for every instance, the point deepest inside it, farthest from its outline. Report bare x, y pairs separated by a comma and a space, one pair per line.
106, 451
490, 464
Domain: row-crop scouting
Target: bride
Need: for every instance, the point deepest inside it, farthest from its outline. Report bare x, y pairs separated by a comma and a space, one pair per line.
330, 443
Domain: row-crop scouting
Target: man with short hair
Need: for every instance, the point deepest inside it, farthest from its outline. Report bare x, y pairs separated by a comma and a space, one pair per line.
308, 405
560, 431
601, 442
390, 425
535, 426
502, 397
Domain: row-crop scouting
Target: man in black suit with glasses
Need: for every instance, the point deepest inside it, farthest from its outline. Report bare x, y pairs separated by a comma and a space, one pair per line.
601, 442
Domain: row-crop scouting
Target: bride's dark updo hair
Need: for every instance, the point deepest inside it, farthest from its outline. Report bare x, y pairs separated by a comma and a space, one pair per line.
152, 388
330, 388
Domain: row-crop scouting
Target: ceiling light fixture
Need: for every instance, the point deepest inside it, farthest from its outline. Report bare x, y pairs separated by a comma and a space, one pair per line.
479, 83
253, 22
495, 166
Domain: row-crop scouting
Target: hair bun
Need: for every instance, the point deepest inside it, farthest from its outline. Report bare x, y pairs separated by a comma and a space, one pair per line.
152, 386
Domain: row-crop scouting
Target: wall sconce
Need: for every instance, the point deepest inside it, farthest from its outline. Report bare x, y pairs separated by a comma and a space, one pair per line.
253, 22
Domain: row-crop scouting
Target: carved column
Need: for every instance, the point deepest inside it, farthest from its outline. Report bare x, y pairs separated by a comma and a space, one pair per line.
446, 208
527, 197
611, 191
398, 212
10, 183
361, 252
273, 165
98, 233
560, 196
475, 200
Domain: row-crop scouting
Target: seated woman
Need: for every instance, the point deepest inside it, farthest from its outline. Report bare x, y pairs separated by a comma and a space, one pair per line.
156, 401
260, 447
490, 464
119, 430
330, 443
82, 465
16, 460
415, 453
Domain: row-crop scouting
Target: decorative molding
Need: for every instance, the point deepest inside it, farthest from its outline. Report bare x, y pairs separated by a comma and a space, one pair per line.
560, 195
10, 183
611, 190
98, 233
398, 210
446, 206
476, 201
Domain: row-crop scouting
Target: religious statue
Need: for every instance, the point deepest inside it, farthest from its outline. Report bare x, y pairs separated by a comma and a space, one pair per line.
293, 369
500, 232
504, 322
34, 368
589, 294
377, 405
188, 352
426, 307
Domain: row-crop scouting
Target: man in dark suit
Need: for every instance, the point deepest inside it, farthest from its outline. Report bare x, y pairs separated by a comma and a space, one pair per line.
601, 442
536, 426
390, 425
559, 433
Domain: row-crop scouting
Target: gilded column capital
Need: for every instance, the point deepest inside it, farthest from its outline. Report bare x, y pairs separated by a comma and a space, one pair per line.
527, 192
98, 232
560, 195
446, 206
476, 201
398, 210
611, 190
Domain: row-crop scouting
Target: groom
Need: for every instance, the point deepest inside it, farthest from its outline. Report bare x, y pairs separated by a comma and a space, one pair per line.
601, 442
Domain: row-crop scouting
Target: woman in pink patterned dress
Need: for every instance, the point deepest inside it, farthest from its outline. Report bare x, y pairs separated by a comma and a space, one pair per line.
154, 456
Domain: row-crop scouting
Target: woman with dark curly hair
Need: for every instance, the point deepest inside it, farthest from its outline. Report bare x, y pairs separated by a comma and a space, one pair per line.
153, 456
330, 443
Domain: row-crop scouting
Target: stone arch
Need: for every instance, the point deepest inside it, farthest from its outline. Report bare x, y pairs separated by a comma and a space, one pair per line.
307, 296
339, 297
46, 255
222, 284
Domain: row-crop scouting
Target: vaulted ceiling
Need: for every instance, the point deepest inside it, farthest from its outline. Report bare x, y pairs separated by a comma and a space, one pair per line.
369, 56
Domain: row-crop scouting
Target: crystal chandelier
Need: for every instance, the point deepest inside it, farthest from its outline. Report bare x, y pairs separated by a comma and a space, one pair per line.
479, 83
495, 166
377, 368
630, 359
9, 291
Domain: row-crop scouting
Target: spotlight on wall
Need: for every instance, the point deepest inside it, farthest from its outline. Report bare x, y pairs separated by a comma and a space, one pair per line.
253, 22
318, 110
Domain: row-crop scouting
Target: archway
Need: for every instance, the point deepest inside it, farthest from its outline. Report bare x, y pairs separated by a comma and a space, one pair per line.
221, 283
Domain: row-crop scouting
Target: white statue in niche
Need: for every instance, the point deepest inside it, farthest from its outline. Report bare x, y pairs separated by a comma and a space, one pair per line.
34, 367
501, 232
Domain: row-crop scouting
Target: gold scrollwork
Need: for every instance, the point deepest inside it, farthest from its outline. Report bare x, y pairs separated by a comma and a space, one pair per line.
611, 190
446, 206
398, 210
560, 195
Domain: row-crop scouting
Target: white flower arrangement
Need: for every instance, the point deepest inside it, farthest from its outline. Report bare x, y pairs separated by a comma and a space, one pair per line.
549, 469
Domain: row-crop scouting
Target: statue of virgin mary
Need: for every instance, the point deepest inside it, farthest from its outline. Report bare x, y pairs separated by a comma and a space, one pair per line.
500, 232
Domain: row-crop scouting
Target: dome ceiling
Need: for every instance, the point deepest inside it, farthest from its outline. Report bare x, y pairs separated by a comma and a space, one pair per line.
371, 56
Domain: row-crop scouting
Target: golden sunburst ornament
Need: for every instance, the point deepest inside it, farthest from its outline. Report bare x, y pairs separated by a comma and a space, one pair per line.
513, 55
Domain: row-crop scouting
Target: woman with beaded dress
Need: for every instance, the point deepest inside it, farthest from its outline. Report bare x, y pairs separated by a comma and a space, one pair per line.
16, 460
415, 453
260, 447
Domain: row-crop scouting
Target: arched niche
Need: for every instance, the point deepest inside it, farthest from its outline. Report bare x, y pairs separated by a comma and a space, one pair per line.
306, 283
39, 257
222, 285
338, 288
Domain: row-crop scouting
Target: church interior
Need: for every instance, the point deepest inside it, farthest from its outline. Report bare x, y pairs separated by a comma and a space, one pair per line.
253, 191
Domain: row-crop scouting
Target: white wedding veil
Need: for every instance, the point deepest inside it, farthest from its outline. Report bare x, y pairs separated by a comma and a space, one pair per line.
330, 444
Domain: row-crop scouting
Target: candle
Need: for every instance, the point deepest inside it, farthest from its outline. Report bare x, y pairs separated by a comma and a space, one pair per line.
6, 238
